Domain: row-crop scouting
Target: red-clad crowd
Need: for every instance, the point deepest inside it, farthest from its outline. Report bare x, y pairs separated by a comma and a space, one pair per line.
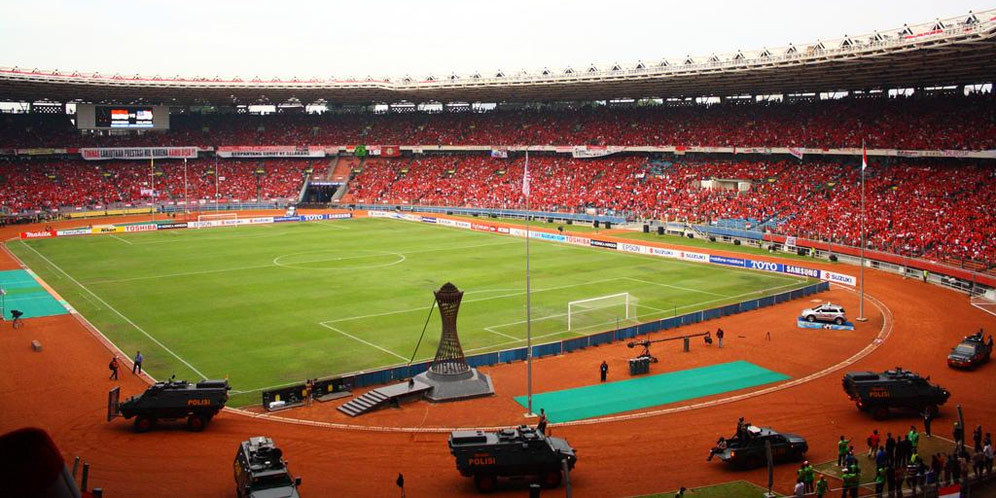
897, 123
923, 208
48, 185
916, 210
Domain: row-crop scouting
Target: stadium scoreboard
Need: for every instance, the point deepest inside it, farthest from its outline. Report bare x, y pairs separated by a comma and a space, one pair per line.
122, 117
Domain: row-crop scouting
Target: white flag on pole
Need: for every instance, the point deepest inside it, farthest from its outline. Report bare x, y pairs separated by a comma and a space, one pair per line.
864, 158
525, 178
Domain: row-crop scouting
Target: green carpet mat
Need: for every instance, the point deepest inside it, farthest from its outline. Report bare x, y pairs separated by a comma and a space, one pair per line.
24, 293
643, 392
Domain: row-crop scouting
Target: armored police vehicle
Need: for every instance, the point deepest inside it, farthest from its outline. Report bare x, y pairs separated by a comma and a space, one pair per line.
518, 452
261, 471
880, 393
197, 403
747, 449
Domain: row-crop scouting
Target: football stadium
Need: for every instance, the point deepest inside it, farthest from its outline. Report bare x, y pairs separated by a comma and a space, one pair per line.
750, 271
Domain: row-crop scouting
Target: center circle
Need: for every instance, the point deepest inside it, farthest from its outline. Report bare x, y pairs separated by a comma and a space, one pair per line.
332, 259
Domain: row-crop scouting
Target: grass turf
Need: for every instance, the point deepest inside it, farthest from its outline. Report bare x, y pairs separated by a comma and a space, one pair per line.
273, 304
734, 489
676, 240
653, 390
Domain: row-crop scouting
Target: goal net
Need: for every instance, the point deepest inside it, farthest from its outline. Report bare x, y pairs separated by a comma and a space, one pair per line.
217, 217
601, 310
985, 301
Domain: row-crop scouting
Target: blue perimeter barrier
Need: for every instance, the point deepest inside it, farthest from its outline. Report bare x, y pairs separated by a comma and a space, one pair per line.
396, 373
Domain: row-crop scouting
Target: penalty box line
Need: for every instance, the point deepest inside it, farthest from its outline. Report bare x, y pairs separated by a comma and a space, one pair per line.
125, 318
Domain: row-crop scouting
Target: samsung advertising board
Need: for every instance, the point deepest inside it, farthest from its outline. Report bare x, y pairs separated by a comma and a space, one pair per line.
122, 117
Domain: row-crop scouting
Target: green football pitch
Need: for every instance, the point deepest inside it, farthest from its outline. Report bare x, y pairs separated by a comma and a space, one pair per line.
268, 305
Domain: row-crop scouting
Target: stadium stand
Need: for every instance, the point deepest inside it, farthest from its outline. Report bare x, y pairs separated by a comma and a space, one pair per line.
939, 122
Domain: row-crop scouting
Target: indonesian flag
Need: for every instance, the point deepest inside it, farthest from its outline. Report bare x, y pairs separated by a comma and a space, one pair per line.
525, 177
952, 491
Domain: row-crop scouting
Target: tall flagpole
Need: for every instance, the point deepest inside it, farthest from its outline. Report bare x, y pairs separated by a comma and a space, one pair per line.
217, 173
152, 167
186, 198
861, 302
529, 333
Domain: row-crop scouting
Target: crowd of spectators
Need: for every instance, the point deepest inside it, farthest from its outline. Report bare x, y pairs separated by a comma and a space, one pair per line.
939, 122
917, 210
927, 208
52, 185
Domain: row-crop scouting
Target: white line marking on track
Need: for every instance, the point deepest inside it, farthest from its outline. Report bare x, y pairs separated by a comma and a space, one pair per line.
133, 324
353, 337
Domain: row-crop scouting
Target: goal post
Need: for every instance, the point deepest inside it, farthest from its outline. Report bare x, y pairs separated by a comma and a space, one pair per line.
601, 310
208, 220
218, 216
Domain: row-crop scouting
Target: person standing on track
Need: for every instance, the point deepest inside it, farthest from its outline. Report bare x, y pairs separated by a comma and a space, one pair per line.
719, 336
928, 417
114, 368
604, 370
541, 425
138, 363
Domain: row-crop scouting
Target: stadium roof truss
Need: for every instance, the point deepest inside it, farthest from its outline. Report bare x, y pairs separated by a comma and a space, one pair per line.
953, 51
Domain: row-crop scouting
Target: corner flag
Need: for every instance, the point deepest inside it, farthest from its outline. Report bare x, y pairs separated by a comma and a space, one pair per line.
525, 177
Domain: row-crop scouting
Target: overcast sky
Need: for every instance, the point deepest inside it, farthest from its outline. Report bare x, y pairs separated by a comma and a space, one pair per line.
418, 37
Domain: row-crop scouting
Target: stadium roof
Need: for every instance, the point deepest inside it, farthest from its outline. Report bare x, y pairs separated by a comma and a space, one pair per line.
944, 52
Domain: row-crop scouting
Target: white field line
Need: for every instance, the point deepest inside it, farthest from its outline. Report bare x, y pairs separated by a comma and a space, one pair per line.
353, 337
122, 240
514, 340
489, 329
272, 265
674, 287
502, 296
883, 334
126, 319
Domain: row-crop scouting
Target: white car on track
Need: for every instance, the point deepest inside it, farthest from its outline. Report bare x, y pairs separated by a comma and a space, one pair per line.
825, 313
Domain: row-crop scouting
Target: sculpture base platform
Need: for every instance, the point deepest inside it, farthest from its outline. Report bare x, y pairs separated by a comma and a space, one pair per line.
472, 384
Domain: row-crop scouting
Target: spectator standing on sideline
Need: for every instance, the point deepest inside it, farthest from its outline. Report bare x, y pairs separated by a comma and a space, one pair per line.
799, 490
841, 451
977, 438
958, 433
928, 417
808, 476
879, 481
719, 336
890, 448
913, 437
604, 370
114, 368
822, 486
873, 440
138, 363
